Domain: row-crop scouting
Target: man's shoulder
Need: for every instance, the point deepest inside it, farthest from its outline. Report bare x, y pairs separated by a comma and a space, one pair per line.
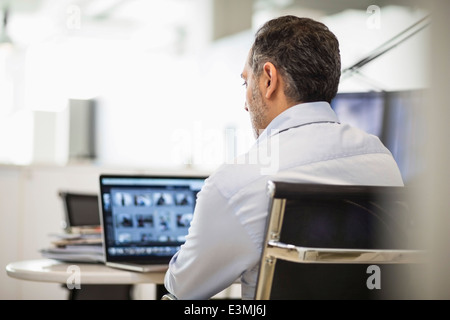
231, 177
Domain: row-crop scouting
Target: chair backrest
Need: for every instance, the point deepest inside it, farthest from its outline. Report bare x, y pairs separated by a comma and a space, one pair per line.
338, 242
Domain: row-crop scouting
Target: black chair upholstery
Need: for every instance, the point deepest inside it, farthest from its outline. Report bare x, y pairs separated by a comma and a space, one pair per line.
339, 242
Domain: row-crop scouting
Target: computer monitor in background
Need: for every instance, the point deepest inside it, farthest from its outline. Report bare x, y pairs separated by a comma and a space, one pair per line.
81, 210
393, 117
363, 110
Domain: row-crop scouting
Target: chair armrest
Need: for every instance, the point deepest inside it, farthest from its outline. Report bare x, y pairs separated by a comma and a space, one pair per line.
293, 253
168, 296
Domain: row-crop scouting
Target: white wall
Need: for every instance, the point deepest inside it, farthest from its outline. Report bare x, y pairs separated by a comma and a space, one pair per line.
10, 247
29, 211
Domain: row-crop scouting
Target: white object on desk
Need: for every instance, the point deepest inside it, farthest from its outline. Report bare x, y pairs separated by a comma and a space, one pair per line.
48, 270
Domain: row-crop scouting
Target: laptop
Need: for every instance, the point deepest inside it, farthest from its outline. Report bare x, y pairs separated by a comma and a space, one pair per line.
145, 219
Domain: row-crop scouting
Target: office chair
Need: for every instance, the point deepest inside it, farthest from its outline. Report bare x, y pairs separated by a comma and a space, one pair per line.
339, 242
169, 296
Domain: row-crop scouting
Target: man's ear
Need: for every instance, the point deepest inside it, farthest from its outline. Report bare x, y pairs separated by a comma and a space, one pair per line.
270, 78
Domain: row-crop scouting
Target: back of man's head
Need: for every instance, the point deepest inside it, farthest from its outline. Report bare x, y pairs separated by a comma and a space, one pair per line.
305, 52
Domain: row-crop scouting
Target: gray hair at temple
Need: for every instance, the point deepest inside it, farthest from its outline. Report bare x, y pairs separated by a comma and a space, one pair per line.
305, 52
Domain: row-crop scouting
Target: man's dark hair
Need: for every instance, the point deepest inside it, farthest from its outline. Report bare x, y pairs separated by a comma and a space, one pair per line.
305, 52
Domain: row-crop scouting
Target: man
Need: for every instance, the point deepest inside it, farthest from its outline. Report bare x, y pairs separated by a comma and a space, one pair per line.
291, 75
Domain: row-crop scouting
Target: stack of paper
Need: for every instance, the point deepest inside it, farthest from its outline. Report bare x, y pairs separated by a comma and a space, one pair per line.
77, 246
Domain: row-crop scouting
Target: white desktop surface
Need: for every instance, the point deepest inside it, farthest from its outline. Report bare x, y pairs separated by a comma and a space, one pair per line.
48, 270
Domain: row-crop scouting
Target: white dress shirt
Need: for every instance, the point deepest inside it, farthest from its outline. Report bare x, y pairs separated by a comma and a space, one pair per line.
306, 143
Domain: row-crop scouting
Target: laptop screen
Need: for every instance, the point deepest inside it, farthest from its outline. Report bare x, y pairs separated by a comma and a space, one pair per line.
146, 218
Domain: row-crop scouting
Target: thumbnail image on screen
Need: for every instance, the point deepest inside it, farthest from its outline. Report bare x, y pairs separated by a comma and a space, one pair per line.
153, 215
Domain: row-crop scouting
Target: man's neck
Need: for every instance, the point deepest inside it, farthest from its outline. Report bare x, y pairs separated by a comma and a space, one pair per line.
278, 108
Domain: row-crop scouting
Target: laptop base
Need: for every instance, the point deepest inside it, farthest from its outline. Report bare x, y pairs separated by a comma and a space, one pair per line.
138, 267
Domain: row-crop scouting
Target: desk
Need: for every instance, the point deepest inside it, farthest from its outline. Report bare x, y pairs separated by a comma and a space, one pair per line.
94, 276
48, 270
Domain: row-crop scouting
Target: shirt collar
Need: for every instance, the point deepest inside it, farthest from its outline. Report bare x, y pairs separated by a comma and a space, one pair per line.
298, 115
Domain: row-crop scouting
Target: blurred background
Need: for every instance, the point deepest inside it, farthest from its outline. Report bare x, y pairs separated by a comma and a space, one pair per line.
152, 86
160, 80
